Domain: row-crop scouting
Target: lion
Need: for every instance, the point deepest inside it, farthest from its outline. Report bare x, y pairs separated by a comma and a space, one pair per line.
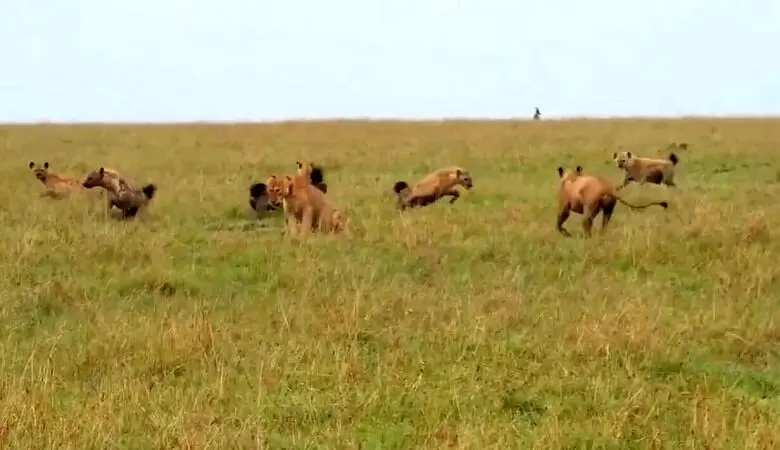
260, 200
589, 195
278, 193
311, 208
57, 186
432, 187
128, 198
306, 207
646, 170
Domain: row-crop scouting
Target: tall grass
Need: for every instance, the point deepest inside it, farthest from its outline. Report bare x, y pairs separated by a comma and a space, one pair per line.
474, 325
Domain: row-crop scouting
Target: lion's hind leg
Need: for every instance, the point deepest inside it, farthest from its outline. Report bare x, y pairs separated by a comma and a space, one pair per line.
591, 211
563, 215
608, 207
307, 221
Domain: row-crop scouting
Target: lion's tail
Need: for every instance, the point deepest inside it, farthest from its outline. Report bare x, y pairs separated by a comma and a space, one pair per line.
664, 205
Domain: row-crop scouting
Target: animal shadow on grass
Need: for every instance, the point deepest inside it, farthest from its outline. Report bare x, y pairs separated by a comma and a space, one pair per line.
241, 219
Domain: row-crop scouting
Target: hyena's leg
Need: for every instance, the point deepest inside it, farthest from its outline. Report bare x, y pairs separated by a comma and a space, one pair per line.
451, 193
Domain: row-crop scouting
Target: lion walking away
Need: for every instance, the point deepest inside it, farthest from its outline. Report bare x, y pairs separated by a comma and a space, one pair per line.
588, 195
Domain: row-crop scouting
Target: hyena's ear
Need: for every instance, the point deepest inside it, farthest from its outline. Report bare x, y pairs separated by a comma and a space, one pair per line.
579, 169
32, 164
102, 171
560, 171
46, 165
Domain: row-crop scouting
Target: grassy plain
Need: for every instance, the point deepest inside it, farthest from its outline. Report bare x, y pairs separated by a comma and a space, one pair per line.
473, 325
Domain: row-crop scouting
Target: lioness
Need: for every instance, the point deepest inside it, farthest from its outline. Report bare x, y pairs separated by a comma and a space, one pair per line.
588, 195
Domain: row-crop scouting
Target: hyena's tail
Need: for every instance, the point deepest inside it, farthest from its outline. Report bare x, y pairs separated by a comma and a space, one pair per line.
674, 159
149, 190
402, 192
257, 190
317, 177
400, 186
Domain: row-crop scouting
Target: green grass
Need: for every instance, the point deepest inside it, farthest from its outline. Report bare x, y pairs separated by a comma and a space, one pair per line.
473, 325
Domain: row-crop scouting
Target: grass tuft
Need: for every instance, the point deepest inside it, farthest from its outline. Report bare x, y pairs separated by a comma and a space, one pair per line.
472, 325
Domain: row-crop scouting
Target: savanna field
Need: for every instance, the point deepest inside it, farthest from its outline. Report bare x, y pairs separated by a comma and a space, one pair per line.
472, 325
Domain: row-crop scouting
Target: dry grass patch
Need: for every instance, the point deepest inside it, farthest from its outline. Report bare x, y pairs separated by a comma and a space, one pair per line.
472, 325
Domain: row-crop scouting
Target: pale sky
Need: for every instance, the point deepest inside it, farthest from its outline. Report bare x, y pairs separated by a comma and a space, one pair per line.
202, 60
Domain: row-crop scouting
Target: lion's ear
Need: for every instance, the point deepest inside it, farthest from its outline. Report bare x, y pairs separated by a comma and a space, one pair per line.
628, 154
46, 165
32, 164
614, 155
579, 169
560, 171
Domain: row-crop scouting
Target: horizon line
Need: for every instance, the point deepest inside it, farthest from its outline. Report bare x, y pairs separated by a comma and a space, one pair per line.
379, 119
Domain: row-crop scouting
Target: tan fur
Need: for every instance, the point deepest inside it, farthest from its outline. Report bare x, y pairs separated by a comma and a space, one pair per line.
588, 195
274, 188
57, 185
128, 198
646, 170
262, 201
432, 187
314, 174
306, 207
304, 169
